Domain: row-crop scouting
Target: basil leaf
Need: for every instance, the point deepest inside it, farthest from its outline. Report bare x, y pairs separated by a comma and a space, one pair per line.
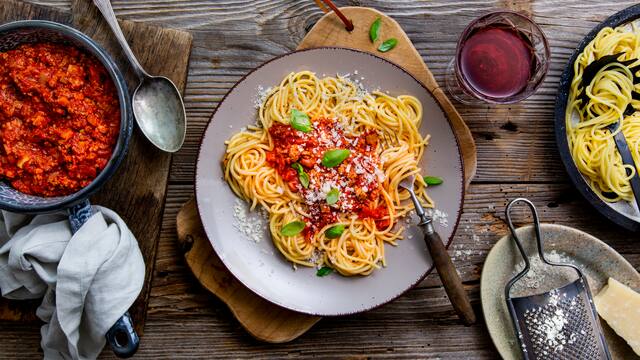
432, 180
333, 196
304, 179
388, 45
300, 121
302, 175
333, 158
334, 231
374, 30
293, 228
324, 271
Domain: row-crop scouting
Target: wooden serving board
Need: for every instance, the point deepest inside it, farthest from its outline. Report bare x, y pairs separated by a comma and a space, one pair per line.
137, 190
263, 320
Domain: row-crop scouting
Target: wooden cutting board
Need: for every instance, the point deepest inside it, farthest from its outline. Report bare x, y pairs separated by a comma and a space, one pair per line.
137, 190
264, 320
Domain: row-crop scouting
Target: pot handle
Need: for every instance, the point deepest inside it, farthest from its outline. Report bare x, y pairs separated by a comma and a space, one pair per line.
122, 337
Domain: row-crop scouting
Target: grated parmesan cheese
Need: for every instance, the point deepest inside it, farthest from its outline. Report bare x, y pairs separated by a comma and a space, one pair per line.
250, 224
316, 258
261, 96
539, 272
551, 324
438, 216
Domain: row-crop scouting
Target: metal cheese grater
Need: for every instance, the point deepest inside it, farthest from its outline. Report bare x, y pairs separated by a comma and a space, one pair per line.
561, 323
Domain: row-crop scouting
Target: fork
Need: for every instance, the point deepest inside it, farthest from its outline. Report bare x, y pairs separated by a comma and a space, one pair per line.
444, 265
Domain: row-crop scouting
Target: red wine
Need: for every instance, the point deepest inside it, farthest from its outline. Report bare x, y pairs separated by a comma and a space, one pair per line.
496, 61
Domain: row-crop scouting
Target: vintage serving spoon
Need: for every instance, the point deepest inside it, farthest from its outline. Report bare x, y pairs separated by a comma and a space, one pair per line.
157, 104
446, 270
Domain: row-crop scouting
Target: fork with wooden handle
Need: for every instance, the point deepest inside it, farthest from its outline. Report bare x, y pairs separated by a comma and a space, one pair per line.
446, 270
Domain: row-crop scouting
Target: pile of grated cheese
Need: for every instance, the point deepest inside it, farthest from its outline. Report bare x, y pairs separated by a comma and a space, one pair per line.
251, 224
549, 325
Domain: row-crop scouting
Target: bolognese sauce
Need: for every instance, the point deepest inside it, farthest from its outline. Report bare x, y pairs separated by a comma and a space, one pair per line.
357, 179
59, 118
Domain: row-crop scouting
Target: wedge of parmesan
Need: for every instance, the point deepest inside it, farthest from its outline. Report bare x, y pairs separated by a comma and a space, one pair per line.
619, 306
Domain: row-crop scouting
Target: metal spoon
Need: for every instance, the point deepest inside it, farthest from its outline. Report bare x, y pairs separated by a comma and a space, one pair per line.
157, 104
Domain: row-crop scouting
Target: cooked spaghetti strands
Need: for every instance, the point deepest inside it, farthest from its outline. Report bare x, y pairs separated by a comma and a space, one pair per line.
342, 171
609, 99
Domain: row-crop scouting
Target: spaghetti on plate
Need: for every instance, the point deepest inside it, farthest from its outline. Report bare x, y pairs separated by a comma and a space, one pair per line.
325, 160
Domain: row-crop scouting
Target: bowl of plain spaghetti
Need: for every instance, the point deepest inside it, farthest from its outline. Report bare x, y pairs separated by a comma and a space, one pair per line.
297, 180
600, 87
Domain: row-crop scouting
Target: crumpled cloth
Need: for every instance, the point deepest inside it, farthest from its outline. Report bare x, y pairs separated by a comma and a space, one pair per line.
87, 280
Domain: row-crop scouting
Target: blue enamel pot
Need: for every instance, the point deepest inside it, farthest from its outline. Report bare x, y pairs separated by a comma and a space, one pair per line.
122, 336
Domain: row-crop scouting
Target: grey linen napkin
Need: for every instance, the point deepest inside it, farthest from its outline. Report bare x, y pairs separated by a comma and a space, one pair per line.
87, 279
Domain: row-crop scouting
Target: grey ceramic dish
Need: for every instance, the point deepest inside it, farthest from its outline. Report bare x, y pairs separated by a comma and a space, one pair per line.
260, 266
597, 260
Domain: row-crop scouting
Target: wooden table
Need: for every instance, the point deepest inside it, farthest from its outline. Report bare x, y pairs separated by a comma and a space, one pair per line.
516, 157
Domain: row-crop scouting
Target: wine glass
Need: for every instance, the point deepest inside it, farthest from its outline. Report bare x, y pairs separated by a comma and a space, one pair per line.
501, 58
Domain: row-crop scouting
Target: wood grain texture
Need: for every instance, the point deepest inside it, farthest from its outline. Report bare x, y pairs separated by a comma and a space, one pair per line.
262, 319
516, 157
330, 31
14, 10
137, 191
420, 324
140, 182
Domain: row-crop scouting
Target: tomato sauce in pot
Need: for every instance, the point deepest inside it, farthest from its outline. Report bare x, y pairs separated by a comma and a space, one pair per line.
59, 118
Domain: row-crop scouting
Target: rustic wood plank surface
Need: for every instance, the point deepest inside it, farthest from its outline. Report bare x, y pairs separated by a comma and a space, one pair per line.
516, 157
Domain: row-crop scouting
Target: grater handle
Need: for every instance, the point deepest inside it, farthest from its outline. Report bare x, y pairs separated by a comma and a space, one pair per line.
536, 224
450, 278
540, 248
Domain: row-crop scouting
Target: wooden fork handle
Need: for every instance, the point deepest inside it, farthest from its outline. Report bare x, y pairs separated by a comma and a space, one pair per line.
450, 278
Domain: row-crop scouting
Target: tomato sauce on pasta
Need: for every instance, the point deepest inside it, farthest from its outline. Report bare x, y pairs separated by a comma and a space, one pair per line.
356, 179
324, 160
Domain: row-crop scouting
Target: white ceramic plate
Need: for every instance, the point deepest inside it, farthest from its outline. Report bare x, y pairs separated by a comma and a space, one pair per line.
597, 260
259, 265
